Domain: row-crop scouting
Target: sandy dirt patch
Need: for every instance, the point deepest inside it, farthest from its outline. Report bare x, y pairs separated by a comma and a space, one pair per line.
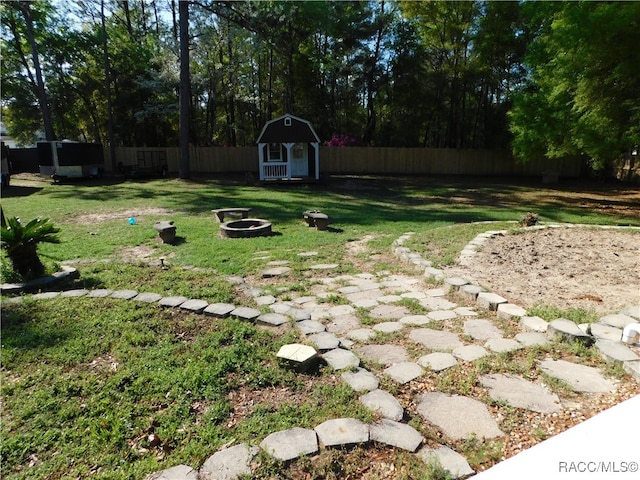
93, 218
585, 268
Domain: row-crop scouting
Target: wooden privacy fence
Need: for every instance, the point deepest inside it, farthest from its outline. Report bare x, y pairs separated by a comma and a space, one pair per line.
366, 160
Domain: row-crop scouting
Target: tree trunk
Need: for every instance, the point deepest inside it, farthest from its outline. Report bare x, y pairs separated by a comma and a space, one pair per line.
185, 90
25, 261
43, 100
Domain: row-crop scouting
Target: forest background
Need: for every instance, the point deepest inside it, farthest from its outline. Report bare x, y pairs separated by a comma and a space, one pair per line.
540, 78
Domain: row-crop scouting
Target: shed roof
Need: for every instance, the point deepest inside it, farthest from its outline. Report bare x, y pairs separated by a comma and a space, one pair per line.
293, 130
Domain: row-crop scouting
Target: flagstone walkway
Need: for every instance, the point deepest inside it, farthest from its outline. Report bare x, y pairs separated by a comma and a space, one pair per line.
461, 325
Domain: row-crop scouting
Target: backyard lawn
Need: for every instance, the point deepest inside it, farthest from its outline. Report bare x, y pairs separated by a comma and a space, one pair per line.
108, 389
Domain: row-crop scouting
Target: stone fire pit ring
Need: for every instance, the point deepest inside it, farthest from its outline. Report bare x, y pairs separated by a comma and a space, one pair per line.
245, 228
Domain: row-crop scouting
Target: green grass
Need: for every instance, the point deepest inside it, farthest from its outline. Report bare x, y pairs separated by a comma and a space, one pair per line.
84, 382
550, 312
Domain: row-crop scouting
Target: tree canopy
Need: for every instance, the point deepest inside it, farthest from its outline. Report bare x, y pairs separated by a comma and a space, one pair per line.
543, 78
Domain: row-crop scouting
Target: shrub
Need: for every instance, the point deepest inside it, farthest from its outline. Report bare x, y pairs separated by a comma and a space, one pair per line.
21, 241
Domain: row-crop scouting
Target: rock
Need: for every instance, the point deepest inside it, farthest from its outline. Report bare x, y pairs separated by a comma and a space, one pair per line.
532, 339
384, 354
520, 393
361, 334
300, 357
171, 302
564, 329
535, 324
195, 306
457, 416
272, 319
229, 464
580, 377
500, 345
361, 380
403, 372
307, 327
100, 293
245, 313
290, 444
437, 361
324, 341
147, 297
383, 403
342, 431
451, 461
632, 311
396, 434
179, 472
470, 353
435, 339
615, 351
600, 330
388, 327
80, 292
124, 294
440, 315
275, 272
388, 312
339, 359
489, 300
470, 292
619, 320
481, 329
510, 311
415, 320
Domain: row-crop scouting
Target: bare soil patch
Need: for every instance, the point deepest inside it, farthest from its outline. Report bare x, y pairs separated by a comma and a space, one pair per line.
92, 218
588, 268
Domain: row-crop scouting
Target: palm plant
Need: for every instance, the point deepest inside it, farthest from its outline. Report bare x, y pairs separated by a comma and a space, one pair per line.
21, 241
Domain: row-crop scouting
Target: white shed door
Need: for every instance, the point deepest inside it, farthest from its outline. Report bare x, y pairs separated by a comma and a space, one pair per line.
299, 160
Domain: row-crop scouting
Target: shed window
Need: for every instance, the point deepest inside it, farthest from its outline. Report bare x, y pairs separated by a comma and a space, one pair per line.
287, 122
275, 154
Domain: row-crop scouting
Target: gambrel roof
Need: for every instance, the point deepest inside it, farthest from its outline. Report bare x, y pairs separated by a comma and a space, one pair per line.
288, 129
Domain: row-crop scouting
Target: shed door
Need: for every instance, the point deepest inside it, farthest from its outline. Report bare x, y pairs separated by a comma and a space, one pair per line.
299, 163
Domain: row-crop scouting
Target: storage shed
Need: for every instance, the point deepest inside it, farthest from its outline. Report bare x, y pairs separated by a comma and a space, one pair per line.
288, 149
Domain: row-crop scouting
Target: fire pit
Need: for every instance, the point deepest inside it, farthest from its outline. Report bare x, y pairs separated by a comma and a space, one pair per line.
245, 228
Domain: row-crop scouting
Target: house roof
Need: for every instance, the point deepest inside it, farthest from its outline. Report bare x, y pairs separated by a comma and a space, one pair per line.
288, 129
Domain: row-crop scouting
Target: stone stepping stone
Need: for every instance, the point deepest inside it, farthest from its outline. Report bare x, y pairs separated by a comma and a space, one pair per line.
298, 315
431, 272
388, 327
470, 292
324, 266
282, 308
179, 472
361, 380
275, 272
272, 319
195, 306
403, 372
100, 293
308, 327
437, 292
450, 460
489, 300
386, 299
245, 313
435, 339
607, 332
340, 310
437, 361
297, 356
456, 282
343, 324
339, 359
278, 263
563, 329
532, 339
470, 353
437, 303
534, 324
396, 434
388, 312
481, 329
465, 312
45, 295
383, 403
342, 431
290, 444
502, 345
521, 393
147, 297
349, 289
124, 294
303, 300
361, 334
229, 464
631, 311
219, 310
172, 302
308, 254
457, 416
509, 311
265, 300
384, 354
440, 315
324, 341
615, 351
415, 320
619, 320
633, 369
581, 378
